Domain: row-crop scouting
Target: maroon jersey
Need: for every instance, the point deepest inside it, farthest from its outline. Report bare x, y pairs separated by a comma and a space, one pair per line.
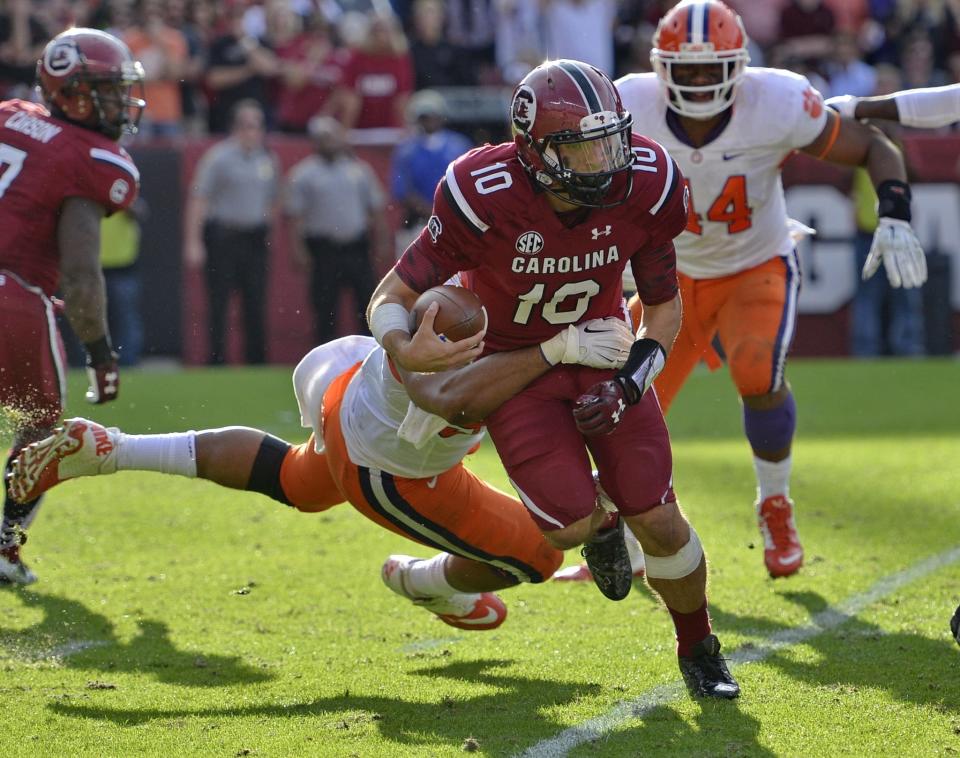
533, 273
43, 161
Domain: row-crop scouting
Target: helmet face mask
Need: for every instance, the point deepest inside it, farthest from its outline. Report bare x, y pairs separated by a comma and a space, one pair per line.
87, 77
572, 133
699, 54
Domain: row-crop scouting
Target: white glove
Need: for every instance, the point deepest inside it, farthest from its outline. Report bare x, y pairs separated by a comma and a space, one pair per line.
897, 245
845, 105
598, 343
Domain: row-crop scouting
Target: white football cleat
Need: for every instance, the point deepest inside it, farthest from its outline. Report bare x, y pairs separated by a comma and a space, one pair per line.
475, 611
78, 448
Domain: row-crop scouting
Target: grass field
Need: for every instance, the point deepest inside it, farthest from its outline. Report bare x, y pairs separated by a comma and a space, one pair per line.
175, 618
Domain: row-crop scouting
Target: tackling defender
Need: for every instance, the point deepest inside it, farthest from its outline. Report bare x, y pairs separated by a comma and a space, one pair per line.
730, 127
398, 465
542, 229
61, 170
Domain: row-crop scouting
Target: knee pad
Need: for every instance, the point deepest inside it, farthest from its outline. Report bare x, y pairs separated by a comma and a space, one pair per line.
682, 563
265, 473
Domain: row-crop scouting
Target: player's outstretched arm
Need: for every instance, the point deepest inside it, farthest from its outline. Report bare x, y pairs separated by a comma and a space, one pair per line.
469, 394
388, 315
925, 108
895, 244
84, 293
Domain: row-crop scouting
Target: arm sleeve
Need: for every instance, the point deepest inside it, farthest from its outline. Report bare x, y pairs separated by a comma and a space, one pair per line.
929, 108
449, 243
108, 177
655, 266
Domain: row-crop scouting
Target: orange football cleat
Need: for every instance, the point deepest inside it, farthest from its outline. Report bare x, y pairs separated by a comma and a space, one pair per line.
783, 553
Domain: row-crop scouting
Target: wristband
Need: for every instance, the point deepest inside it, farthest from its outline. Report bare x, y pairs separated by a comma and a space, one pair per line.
647, 359
99, 351
388, 317
893, 199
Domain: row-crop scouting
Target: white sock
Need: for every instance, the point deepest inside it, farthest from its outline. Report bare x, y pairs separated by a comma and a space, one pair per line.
428, 578
773, 477
166, 453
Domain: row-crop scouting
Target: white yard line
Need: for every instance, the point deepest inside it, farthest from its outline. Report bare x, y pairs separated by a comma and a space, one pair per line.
828, 619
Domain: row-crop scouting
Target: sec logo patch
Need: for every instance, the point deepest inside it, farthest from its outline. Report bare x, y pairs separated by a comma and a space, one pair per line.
530, 243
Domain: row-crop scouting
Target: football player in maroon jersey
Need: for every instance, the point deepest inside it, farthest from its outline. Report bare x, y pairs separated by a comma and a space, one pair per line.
61, 171
542, 229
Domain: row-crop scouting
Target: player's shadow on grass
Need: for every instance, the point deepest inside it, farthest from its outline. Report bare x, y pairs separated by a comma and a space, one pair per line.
81, 639
857, 654
509, 699
721, 725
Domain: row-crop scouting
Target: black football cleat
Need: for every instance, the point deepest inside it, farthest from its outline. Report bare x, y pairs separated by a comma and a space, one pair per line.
609, 562
955, 625
705, 672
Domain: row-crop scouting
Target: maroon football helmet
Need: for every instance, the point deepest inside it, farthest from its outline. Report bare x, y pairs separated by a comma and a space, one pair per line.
572, 133
86, 76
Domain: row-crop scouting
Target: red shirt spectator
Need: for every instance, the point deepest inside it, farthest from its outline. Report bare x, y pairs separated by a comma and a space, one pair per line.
377, 79
311, 67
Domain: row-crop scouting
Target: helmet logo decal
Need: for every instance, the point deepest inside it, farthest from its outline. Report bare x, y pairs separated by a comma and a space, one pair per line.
434, 228
524, 108
530, 243
60, 59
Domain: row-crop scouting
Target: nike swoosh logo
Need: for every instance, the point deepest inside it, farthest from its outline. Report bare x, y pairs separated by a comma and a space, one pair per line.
588, 330
433, 482
731, 156
488, 619
783, 560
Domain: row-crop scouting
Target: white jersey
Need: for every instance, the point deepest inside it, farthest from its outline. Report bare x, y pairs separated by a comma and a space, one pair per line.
374, 405
738, 216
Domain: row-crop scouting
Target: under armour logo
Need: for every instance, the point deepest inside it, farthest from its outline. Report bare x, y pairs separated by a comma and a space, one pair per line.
598, 233
621, 407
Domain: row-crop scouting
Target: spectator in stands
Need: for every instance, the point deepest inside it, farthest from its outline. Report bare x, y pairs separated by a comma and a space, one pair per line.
196, 26
377, 79
436, 61
917, 62
848, 74
311, 66
163, 52
806, 29
228, 220
119, 257
470, 27
240, 68
22, 38
420, 161
336, 207
518, 38
581, 30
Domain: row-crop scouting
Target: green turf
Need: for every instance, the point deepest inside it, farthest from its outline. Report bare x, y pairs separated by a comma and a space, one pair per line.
175, 618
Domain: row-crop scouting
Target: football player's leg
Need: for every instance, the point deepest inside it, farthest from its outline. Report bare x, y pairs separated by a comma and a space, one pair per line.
756, 327
547, 463
32, 391
636, 471
694, 341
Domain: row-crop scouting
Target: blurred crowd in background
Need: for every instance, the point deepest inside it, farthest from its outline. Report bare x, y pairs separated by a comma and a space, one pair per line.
359, 60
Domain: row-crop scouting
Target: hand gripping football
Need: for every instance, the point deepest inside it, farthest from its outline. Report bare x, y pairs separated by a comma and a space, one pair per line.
461, 313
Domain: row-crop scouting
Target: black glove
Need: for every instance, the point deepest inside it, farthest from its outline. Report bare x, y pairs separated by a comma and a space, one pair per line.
103, 372
599, 409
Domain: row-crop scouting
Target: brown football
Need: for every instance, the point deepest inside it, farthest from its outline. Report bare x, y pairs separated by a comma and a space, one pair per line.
460, 315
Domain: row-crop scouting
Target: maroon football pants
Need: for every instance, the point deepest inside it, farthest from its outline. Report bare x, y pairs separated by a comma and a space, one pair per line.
547, 459
32, 358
